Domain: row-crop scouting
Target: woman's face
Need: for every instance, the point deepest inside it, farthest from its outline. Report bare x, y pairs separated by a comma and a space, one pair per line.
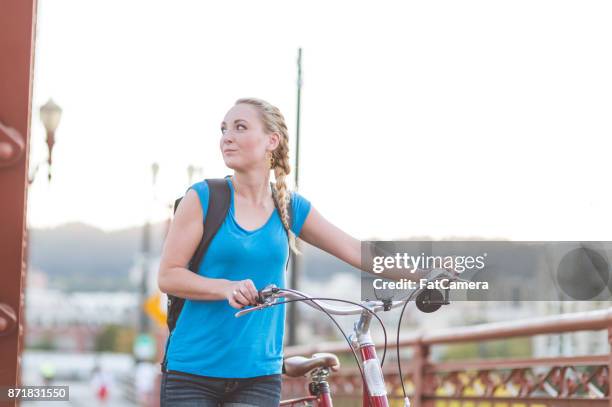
243, 141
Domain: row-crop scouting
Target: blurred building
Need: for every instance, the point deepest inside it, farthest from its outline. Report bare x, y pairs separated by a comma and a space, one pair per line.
71, 321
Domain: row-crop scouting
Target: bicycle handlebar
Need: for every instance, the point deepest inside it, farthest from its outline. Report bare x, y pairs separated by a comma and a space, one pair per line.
272, 293
269, 295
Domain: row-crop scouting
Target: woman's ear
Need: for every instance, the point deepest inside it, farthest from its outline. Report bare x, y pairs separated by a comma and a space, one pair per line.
274, 140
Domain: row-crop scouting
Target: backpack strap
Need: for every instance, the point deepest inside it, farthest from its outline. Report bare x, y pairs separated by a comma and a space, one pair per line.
219, 197
218, 204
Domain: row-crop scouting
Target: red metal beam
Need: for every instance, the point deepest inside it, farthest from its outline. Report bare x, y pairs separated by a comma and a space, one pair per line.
17, 23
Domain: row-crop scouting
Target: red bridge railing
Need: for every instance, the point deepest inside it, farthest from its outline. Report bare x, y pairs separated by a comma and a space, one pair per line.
559, 381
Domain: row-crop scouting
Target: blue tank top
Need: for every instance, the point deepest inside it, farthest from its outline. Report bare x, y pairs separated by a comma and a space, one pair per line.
207, 339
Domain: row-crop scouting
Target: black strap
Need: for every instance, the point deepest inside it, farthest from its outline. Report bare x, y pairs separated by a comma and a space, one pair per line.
219, 196
218, 204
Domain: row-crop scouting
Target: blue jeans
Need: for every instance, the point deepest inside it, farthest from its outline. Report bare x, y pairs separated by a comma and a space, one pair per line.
188, 390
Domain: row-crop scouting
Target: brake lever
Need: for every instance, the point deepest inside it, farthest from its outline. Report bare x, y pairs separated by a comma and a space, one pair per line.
262, 304
246, 311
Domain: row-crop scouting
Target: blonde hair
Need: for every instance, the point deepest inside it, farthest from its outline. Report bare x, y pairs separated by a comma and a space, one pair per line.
274, 121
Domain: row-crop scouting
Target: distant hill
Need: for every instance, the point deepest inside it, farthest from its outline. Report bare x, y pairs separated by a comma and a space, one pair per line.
80, 256
77, 256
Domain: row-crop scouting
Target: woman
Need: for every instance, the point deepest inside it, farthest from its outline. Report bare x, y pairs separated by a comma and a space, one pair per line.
214, 358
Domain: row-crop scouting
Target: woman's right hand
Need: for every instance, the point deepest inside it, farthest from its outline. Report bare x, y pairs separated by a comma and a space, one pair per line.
241, 293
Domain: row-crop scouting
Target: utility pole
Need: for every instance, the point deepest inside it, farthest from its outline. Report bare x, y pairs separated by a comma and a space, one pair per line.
295, 264
145, 325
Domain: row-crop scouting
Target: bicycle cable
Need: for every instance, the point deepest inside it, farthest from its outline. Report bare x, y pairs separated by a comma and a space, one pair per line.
399, 325
406, 302
341, 331
305, 298
382, 325
397, 347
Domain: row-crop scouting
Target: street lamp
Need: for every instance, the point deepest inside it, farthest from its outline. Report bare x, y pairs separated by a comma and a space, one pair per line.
50, 115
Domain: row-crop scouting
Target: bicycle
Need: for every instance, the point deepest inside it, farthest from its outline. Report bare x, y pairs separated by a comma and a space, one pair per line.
320, 365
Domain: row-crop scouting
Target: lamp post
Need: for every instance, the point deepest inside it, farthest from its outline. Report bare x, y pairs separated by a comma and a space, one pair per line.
50, 115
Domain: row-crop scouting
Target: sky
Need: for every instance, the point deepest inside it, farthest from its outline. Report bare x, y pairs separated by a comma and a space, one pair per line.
429, 118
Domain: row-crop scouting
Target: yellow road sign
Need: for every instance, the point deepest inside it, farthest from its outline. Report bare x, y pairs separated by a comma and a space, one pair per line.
153, 307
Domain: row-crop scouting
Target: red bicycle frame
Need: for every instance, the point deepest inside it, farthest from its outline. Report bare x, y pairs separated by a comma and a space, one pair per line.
374, 389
